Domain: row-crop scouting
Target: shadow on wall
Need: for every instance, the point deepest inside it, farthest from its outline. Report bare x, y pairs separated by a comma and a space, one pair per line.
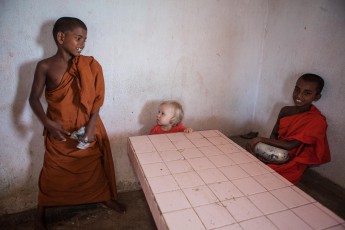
126, 179
25, 194
228, 127
265, 128
147, 116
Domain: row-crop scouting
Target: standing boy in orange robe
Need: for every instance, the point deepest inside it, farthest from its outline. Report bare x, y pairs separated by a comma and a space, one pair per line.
77, 168
300, 129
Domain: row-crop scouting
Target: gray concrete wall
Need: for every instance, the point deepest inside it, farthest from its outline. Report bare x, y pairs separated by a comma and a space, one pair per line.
201, 53
231, 64
305, 36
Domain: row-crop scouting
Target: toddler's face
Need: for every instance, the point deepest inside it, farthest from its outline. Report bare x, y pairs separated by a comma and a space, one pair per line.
165, 114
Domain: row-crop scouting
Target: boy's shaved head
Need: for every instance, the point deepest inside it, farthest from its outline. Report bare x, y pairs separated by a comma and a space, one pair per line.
314, 78
67, 24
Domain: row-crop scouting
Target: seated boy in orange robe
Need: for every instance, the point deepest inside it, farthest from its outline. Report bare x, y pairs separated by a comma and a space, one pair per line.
77, 169
300, 129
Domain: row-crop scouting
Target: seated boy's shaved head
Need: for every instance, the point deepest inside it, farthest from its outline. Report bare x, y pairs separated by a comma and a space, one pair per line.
67, 24
314, 78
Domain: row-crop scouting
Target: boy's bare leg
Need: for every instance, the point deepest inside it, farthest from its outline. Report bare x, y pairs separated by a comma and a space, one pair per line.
40, 223
115, 205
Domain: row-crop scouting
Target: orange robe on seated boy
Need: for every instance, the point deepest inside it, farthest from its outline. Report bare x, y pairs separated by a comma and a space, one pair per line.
310, 129
69, 175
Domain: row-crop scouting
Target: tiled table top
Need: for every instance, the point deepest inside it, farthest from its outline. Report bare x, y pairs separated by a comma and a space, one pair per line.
203, 180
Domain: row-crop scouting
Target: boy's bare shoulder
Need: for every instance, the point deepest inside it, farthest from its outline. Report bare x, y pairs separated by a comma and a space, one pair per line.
286, 111
288, 108
45, 64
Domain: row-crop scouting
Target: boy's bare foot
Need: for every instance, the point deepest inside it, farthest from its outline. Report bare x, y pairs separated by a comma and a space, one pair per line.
115, 205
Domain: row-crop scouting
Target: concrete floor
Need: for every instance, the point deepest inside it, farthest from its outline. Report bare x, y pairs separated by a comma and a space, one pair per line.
138, 216
88, 217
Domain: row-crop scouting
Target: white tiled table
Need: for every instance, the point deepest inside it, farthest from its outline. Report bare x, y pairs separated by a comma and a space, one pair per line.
203, 180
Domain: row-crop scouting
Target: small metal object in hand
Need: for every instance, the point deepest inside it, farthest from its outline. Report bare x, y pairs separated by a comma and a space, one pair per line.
79, 134
83, 144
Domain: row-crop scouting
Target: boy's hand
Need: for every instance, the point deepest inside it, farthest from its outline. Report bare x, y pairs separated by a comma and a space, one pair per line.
188, 130
89, 135
251, 144
56, 130
89, 138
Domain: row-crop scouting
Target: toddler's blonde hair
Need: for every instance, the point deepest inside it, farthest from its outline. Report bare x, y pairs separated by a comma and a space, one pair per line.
178, 111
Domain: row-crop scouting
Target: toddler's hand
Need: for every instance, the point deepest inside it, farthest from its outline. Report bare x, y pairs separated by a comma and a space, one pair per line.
188, 130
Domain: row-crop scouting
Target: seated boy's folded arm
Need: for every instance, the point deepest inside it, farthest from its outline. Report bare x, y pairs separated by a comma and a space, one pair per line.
284, 144
251, 144
283, 112
274, 133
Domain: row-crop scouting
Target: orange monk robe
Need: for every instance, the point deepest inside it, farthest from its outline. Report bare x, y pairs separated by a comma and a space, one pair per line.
70, 175
310, 129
